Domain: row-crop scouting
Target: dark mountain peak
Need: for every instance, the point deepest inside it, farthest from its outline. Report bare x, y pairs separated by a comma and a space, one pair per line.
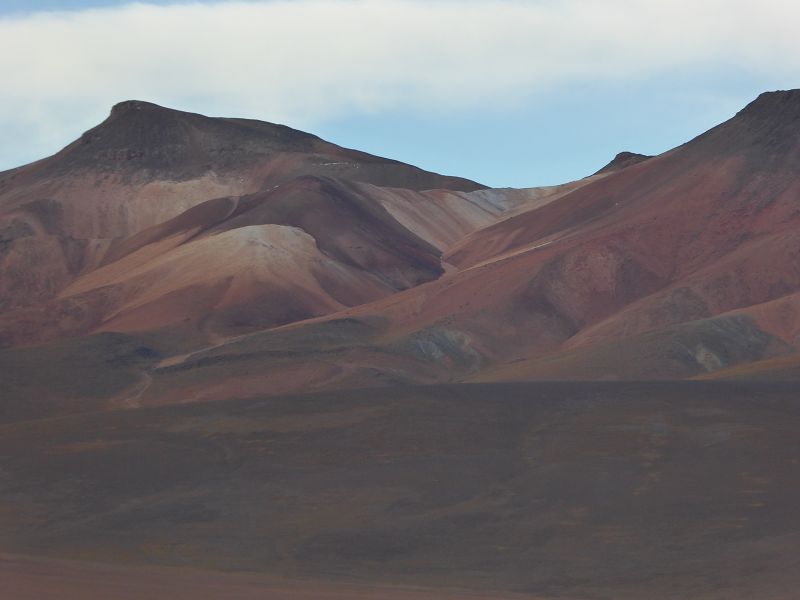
127, 106
622, 161
781, 105
766, 131
137, 118
146, 137
144, 113
142, 141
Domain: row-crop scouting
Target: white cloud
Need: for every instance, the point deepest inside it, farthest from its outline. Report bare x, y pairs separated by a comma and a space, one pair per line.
304, 61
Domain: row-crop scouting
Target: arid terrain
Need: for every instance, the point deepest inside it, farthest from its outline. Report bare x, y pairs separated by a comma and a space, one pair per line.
239, 361
578, 490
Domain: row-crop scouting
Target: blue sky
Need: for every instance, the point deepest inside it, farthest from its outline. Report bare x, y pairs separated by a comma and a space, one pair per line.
507, 92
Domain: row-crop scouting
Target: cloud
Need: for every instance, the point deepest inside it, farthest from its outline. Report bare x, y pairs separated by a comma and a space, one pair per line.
305, 61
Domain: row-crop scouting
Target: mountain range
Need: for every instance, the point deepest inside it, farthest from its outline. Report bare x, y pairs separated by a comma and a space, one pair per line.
181, 296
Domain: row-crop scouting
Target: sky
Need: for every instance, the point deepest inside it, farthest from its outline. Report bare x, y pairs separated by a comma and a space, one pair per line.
514, 93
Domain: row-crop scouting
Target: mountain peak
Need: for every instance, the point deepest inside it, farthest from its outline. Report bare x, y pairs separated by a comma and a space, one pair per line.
176, 144
623, 160
778, 105
766, 130
132, 105
142, 141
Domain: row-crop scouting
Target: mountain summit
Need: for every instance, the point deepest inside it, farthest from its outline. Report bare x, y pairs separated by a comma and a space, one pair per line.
142, 135
146, 164
623, 160
144, 140
781, 107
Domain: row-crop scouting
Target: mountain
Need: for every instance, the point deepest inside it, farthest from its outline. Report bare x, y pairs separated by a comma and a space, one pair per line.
145, 164
228, 344
668, 268
655, 267
622, 160
149, 179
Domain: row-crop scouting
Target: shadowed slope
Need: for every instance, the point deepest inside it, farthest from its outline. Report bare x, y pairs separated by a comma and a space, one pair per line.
677, 352
778, 368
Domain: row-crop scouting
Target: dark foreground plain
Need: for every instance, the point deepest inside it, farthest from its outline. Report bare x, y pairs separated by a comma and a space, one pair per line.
36, 579
570, 490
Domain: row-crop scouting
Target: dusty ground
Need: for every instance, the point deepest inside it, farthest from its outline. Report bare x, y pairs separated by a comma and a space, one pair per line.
601, 491
25, 578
